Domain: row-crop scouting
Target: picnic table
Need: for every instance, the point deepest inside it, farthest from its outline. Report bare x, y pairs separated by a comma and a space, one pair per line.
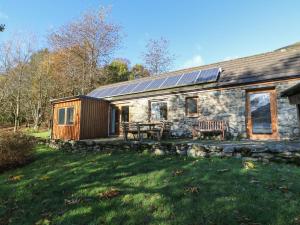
138, 129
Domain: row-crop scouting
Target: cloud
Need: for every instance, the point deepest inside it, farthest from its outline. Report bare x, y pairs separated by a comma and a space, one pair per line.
196, 60
3, 15
230, 58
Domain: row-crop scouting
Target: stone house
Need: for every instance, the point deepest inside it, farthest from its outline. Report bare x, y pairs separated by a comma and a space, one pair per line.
244, 92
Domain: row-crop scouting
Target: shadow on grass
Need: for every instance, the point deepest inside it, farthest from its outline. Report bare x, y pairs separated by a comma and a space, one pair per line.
66, 189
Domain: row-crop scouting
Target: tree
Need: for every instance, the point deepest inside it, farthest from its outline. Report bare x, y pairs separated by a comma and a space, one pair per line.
2, 27
116, 71
91, 40
41, 86
138, 71
14, 57
157, 56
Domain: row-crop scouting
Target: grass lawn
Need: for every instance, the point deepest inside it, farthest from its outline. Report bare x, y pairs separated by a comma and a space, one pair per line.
133, 188
40, 134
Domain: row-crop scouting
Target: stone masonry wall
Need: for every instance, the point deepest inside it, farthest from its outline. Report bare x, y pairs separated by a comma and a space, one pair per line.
222, 104
288, 124
265, 152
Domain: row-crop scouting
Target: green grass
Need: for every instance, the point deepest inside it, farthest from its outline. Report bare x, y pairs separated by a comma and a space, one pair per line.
40, 134
64, 188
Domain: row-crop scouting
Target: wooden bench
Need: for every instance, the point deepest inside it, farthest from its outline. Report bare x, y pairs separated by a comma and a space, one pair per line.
210, 126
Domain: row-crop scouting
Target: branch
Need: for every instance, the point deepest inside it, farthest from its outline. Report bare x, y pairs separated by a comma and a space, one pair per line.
2, 27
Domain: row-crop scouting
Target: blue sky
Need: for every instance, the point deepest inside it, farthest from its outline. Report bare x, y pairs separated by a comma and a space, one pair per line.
200, 32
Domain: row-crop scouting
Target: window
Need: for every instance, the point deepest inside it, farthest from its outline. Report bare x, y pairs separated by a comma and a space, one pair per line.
125, 114
191, 106
70, 116
260, 113
66, 116
159, 111
61, 116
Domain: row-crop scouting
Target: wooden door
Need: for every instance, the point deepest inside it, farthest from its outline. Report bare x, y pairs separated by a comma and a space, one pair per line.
262, 114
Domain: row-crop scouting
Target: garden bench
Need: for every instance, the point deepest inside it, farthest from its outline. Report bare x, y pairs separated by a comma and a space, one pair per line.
210, 126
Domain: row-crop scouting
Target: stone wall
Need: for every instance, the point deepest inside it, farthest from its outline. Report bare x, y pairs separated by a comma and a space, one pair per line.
222, 104
288, 124
265, 152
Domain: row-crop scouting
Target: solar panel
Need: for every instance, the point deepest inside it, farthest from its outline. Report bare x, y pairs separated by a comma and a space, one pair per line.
188, 78
141, 86
98, 92
118, 90
208, 75
171, 81
107, 92
93, 93
195, 77
155, 84
128, 89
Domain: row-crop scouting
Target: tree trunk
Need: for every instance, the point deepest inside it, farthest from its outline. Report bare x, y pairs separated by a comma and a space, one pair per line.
37, 115
17, 122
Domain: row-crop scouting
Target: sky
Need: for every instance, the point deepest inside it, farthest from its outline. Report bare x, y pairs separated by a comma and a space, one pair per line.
200, 32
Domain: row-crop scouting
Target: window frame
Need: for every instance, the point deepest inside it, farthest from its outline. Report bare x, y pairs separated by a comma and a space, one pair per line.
273, 101
58, 116
187, 113
150, 111
70, 122
65, 116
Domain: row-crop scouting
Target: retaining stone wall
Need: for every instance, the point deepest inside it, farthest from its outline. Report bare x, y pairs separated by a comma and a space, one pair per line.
278, 152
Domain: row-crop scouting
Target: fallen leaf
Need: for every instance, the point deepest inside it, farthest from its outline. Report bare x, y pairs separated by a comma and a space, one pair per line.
111, 193
44, 177
16, 178
177, 172
249, 165
254, 181
284, 188
72, 201
192, 189
43, 222
223, 170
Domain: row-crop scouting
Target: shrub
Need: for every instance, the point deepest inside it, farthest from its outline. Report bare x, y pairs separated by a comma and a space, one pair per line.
15, 149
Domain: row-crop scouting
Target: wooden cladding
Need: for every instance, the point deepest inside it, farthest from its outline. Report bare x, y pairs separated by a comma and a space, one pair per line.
262, 114
90, 119
94, 119
66, 131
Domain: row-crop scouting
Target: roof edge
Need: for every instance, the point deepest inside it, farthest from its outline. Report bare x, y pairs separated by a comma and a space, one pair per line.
75, 97
291, 91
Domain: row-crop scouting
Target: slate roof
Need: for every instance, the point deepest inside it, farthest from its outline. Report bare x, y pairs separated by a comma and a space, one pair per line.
279, 64
291, 91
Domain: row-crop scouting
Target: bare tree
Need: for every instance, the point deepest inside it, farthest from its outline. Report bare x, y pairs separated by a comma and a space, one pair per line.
157, 57
14, 57
92, 39
40, 87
